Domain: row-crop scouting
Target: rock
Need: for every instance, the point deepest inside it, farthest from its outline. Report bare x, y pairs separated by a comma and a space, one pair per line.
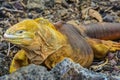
111, 55
113, 0
2, 15
65, 4
35, 4
108, 18
63, 13
49, 3
93, 4
113, 62
31, 72
7, 5
3, 45
41, 4
65, 70
4, 65
18, 6
118, 54
68, 70
58, 1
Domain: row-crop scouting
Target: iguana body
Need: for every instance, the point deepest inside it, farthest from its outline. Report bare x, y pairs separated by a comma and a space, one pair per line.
42, 43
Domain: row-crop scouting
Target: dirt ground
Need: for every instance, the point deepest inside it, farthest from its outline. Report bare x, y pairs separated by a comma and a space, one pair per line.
79, 11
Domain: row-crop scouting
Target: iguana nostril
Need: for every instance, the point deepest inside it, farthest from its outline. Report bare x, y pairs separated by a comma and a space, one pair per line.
5, 35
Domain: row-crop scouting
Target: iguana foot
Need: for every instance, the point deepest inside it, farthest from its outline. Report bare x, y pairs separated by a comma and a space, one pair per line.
102, 47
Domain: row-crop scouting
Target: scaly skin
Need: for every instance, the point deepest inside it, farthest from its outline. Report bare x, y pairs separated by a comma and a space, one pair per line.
105, 31
99, 47
42, 43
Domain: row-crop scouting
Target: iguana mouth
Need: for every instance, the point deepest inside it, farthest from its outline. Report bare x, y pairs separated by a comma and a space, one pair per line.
9, 36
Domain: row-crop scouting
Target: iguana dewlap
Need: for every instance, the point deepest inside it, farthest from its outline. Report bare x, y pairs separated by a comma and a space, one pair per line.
42, 43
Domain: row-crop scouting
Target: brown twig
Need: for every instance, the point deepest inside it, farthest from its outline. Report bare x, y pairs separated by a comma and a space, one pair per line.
8, 48
11, 10
22, 4
8, 52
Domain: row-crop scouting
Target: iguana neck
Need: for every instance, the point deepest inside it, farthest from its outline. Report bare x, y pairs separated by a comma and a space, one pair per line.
46, 42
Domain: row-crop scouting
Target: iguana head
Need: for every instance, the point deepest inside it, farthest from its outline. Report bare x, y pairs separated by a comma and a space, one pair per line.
22, 33
29, 31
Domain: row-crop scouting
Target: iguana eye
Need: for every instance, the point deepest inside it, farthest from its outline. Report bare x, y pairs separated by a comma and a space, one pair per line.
20, 31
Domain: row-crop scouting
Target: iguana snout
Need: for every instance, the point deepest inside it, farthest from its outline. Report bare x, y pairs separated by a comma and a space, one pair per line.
21, 33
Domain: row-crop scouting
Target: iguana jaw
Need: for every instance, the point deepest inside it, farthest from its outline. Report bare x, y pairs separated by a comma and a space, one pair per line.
22, 33
15, 39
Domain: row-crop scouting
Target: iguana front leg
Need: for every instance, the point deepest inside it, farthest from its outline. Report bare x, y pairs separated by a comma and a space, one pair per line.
18, 61
102, 47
